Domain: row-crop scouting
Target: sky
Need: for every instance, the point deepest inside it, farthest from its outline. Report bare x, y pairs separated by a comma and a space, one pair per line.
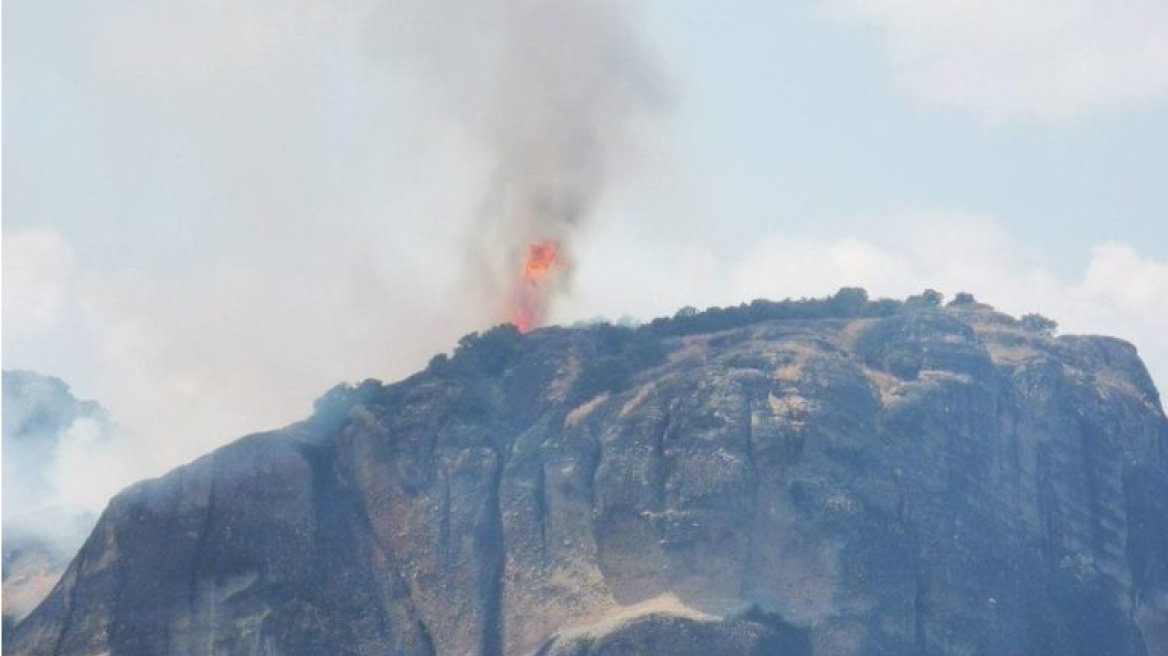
215, 211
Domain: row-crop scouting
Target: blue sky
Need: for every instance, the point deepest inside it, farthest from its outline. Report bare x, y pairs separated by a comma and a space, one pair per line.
217, 210
795, 117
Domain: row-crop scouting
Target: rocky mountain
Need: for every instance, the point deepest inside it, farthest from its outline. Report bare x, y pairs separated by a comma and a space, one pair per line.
834, 477
41, 418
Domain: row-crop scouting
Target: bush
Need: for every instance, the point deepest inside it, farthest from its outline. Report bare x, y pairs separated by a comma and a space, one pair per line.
606, 374
848, 303
491, 351
623, 352
1039, 324
438, 363
930, 298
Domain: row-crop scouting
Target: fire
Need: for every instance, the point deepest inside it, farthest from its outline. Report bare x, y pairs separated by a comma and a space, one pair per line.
530, 303
542, 257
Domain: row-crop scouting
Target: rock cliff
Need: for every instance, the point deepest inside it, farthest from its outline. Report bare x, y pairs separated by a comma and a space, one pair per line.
840, 477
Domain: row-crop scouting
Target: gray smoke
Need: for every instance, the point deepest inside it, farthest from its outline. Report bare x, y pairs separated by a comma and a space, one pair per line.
554, 93
290, 195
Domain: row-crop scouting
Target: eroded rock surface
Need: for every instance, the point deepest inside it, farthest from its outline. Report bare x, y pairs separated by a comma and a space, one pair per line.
931, 482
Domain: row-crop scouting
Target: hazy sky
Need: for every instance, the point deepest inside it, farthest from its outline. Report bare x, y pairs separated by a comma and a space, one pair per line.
216, 210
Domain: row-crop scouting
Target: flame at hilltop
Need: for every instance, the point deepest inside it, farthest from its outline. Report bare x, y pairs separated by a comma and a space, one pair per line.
529, 304
542, 257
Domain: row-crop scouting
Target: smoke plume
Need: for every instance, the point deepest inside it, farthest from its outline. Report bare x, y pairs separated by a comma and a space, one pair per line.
242, 204
553, 92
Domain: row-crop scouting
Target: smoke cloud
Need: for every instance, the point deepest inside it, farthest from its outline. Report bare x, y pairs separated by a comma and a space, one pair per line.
555, 93
62, 460
218, 210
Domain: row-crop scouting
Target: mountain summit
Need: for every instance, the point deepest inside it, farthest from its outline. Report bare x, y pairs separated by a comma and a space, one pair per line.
831, 477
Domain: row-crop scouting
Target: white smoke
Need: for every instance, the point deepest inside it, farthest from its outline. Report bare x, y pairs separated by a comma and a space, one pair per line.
62, 459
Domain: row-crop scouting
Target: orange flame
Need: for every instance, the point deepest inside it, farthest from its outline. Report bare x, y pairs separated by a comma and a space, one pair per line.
542, 257
530, 305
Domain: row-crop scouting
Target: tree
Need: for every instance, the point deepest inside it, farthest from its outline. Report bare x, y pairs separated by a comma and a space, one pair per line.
1039, 324
849, 301
929, 298
491, 351
606, 374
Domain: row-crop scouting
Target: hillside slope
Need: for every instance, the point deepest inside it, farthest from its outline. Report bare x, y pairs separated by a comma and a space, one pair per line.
879, 479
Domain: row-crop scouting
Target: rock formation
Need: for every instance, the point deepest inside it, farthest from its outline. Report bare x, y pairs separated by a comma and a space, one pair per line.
840, 477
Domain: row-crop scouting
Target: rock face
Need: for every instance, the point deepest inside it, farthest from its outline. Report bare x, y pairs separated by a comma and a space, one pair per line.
896, 480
